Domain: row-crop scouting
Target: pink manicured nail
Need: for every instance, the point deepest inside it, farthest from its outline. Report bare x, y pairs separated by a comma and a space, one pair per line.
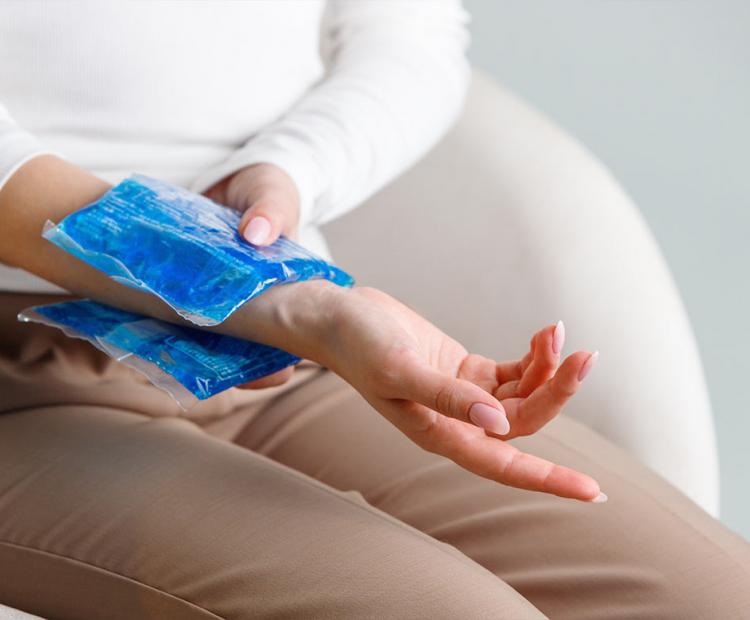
257, 230
588, 365
599, 499
558, 338
489, 418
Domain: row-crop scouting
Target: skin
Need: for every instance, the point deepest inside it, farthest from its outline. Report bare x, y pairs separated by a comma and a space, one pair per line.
261, 191
418, 378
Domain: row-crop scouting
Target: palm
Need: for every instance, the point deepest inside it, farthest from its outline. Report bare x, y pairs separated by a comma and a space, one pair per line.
424, 382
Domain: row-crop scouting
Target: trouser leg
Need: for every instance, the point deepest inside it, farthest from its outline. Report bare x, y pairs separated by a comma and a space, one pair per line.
109, 514
649, 552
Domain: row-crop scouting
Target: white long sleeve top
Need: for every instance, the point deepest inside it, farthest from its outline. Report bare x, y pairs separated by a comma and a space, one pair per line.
342, 95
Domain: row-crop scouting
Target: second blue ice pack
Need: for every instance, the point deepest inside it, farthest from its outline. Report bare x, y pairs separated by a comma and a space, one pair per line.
191, 364
183, 248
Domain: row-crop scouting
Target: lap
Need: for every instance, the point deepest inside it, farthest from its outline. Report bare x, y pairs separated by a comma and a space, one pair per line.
105, 513
330, 512
648, 552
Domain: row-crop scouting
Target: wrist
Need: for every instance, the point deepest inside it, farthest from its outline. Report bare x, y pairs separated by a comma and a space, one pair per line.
305, 317
299, 318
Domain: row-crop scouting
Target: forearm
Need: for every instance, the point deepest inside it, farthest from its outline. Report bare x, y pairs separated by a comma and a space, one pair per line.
292, 317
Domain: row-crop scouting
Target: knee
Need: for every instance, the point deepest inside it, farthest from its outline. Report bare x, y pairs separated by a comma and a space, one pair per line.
329, 554
423, 578
708, 581
660, 565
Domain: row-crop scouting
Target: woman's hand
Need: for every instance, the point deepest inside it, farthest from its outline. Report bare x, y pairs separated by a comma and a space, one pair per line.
455, 404
268, 199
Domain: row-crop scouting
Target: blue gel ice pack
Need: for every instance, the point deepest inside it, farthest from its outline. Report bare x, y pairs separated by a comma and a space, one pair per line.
183, 248
188, 363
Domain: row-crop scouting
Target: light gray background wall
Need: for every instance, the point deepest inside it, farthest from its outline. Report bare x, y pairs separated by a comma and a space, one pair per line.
660, 91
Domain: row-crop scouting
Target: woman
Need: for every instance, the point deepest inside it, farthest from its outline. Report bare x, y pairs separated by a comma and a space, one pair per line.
294, 499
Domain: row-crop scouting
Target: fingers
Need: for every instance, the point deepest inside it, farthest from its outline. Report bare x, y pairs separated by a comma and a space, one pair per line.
528, 415
518, 379
278, 378
546, 357
268, 198
482, 371
526, 471
505, 372
450, 396
483, 455
271, 203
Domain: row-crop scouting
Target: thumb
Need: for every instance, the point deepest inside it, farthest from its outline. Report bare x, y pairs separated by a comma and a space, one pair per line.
266, 219
456, 398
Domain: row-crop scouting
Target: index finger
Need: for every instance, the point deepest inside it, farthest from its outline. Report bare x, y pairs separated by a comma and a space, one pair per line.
469, 447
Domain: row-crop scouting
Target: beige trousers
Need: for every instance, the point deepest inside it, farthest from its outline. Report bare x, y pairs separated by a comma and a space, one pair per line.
302, 502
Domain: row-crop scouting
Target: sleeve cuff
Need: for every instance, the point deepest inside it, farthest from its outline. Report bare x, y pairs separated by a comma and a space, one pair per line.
301, 173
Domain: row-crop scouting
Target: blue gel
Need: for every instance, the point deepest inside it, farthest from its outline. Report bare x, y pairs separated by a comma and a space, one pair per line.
202, 362
183, 248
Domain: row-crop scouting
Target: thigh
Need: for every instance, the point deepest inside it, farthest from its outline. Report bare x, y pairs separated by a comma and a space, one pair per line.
649, 552
110, 514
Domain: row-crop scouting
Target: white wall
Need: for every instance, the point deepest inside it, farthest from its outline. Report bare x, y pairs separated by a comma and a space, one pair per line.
660, 91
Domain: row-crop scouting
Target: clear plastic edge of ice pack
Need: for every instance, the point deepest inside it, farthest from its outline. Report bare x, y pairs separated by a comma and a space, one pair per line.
162, 380
117, 271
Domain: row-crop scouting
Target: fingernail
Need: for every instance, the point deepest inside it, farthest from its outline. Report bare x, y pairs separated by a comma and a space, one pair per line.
599, 499
588, 365
489, 418
257, 230
558, 338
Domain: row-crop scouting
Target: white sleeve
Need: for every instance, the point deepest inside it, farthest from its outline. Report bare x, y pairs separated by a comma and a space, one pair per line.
16, 146
396, 76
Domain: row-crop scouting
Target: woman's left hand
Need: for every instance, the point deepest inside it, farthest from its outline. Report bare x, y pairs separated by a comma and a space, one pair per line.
459, 405
268, 199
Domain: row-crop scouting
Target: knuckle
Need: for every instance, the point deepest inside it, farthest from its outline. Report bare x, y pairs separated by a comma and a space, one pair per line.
471, 363
548, 362
508, 463
560, 390
396, 362
446, 399
544, 482
387, 377
425, 432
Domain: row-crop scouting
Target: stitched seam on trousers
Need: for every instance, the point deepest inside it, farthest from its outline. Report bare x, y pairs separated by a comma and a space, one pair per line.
91, 566
655, 498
